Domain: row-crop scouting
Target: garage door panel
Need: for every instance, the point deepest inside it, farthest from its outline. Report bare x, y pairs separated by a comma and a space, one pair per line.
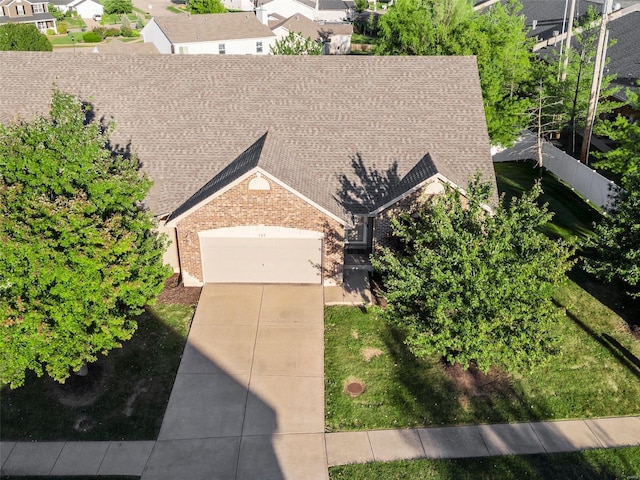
262, 260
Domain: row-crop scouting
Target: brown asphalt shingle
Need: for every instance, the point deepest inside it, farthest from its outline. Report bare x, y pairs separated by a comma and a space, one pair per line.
212, 27
189, 116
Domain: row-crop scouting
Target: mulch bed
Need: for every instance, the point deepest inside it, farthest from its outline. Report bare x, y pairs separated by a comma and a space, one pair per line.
176, 293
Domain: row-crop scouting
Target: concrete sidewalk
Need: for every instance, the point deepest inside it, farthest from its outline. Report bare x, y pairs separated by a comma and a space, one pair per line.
248, 402
130, 458
481, 440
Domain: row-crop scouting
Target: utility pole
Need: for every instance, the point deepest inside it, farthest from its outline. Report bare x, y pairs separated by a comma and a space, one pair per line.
567, 41
598, 71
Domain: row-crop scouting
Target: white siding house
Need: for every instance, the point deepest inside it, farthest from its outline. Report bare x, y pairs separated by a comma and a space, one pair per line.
335, 37
85, 8
226, 33
288, 8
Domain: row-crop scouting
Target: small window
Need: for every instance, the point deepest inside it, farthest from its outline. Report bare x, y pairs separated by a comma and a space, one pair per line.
20, 9
42, 26
258, 47
221, 49
358, 233
183, 50
38, 8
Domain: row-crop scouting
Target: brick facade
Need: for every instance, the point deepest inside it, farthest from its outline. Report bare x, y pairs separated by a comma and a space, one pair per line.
277, 206
382, 226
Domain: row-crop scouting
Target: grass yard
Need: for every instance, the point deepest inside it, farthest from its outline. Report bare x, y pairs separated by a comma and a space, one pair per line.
589, 465
123, 397
596, 374
573, 216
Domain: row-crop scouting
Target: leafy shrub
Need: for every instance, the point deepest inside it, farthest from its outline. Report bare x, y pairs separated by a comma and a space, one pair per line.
112, 32
126, 32
50, 31
62, 28
100, 31
92, 37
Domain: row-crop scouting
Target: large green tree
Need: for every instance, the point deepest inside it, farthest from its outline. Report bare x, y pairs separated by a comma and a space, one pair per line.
205, 6
295, 44
624, 158
80, 256
118, 6
615, 247
23, 37
473, 286
571, 85
497, 37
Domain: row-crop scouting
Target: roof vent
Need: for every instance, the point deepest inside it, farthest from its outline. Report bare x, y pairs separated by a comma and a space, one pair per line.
616, 6
556, 33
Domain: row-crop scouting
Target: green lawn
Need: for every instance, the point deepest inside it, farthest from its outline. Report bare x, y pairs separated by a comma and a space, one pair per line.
589, 465
123, 397
597, 372
573, 216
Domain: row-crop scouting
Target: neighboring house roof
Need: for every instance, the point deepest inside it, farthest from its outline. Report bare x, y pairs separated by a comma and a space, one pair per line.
624, 55
336, 4
309, 121
36, 17
316, 31
308, 3
212, 27
118, 47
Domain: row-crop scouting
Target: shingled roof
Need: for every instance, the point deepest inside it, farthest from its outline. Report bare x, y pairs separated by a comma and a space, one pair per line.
212, 27
189, 117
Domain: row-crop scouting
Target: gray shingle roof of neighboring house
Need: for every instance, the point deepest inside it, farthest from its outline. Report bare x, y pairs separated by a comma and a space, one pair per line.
625, 54
212, 27
36, 17
336, 4
316, 31
118, 47
189, 117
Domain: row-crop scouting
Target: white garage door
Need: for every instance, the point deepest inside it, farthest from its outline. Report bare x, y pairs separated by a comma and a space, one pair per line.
259, 254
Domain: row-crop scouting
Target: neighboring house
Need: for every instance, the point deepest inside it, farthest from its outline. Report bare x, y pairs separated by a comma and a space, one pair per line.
545, 18
84, 8
118, 47
335, 10
28, 11
225, 33
273, 168
316, 10
244, 5
336, 37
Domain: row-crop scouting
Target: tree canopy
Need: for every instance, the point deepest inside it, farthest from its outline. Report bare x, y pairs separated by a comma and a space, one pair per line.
497, 37
23, 37
205, 6
118, 6
615, 247
624, 158
80, 256
295, 44
473, 286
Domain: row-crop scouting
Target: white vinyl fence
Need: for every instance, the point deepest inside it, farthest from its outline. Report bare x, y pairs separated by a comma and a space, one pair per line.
597, 189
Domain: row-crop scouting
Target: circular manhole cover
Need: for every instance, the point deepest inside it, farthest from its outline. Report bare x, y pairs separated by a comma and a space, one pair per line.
355, 389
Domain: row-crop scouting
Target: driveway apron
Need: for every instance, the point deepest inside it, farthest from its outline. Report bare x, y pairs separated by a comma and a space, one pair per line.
248, 400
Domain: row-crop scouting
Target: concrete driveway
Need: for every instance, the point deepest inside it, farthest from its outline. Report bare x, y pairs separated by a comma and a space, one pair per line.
248, 400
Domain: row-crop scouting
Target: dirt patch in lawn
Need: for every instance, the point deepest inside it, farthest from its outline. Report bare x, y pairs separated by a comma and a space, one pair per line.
473, 383
370, 353
176, 293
